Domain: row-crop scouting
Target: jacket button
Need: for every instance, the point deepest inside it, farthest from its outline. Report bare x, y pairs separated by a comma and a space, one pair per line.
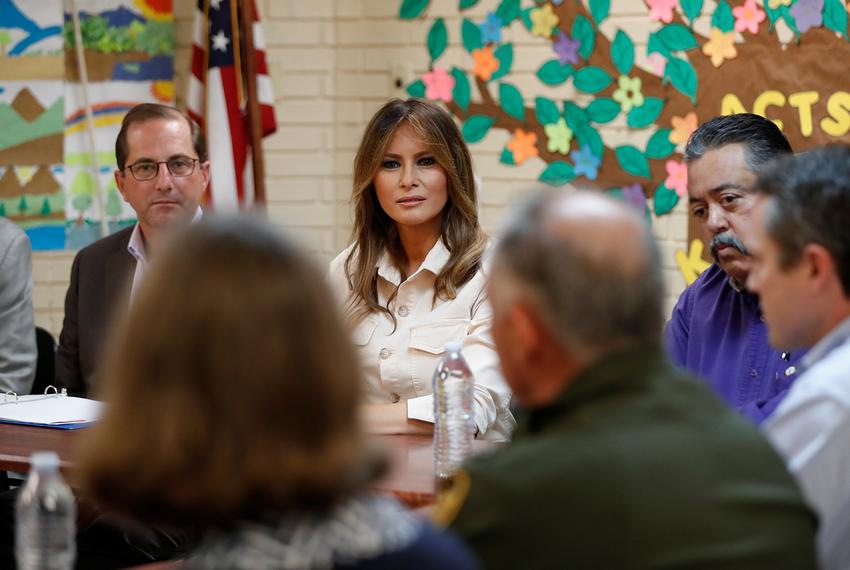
395, 397
403, 311
385, 353
790, 371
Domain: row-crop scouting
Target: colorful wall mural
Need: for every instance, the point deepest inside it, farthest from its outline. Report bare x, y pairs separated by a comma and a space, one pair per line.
48, 184
591, 80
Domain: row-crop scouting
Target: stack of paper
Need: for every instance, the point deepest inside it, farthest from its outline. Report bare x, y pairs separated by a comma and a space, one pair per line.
56, 411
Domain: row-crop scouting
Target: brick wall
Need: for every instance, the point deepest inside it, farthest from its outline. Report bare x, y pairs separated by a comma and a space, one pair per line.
333, 63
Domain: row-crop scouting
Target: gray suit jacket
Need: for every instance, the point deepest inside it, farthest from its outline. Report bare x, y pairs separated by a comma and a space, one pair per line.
100, 279
18, 352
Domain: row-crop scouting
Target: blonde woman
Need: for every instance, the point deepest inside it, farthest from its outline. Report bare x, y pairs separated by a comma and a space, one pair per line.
413, 278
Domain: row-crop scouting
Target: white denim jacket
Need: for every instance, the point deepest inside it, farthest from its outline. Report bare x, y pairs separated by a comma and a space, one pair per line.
399, 365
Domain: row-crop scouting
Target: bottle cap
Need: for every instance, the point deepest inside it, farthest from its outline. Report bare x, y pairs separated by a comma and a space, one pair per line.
453, 346
44, 461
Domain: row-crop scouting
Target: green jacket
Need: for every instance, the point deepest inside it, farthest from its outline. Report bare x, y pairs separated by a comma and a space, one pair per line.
634, 466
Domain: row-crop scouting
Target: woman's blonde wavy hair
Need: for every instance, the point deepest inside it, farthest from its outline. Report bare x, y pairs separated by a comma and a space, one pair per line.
375, 232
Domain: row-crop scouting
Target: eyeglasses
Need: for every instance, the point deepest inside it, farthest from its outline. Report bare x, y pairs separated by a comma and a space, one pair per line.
180, 166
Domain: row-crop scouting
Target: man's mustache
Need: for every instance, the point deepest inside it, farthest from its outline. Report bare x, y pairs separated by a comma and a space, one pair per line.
726, 239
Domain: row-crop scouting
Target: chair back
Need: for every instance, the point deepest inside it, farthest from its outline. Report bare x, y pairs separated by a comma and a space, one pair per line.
45, 368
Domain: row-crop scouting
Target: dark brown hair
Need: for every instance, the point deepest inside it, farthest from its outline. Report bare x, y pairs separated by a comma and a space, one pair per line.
232, 388
375, 232
149, 112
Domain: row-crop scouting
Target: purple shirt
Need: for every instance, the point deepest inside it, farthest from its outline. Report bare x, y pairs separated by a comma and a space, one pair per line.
718, 334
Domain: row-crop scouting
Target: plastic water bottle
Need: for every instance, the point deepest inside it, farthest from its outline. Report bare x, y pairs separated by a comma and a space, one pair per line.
454, 427
46, 518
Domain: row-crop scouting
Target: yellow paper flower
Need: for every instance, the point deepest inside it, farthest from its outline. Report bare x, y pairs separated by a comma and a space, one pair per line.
775, 4
543, 21
720, 47
559, 136
628, 93
486, 63
523, 145
682, 128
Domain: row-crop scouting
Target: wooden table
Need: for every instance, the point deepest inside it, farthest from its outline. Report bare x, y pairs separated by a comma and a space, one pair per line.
410, 478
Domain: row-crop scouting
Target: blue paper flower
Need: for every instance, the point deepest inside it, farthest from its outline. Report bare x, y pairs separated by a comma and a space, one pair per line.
585, 163
491, 29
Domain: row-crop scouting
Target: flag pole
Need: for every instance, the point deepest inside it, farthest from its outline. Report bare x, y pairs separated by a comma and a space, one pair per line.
253, 108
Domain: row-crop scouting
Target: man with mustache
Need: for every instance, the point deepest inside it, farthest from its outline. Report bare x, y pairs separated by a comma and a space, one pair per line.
717, 331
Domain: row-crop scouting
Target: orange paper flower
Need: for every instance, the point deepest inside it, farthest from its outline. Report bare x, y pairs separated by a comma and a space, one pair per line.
720, 47
523, 145
486, 63
682, 128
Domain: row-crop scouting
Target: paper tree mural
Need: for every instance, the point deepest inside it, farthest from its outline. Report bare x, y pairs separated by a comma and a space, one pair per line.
129, 51
741, 65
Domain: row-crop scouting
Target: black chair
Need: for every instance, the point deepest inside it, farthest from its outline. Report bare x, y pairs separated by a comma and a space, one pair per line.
45, 367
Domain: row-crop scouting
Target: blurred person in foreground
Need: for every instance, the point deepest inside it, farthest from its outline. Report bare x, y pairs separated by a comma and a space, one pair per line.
413, 278
232, 397
717, 331
618, 460
801, 271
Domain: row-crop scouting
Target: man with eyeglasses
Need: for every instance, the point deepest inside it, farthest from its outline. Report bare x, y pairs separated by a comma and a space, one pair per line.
162, 173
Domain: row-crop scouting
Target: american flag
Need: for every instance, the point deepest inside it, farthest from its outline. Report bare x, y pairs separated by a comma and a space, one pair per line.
217, 99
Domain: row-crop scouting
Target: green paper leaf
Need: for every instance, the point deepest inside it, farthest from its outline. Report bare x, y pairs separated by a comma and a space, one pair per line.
467, 4
602, 110
461, 91
511, 101
773, 14
476, 127
575, 116
623, 53
505, 54
659, 145
508, 11
835, 16
584, 33
416, 89
589, 136
507, 158
664, 200
676, 37
546, 110
471, 35
632, 160
526, 18
691, 8
646, 114
591, 79
722, 19
553, 73
557, 173
437, 39
655, 45
412, 8
683, 76
600, 9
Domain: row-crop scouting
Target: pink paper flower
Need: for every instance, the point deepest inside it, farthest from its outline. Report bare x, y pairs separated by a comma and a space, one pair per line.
748, 17
657, 63
661, 10
677, 177
438, 85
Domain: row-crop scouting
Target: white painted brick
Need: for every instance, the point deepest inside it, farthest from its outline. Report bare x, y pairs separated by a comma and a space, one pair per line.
295, 138
289, 33
299, 164
302, 215
301, 9
282, 191
348, 9
370, 85
296, 112
380, 9
303, 59
287, 85
370, 33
